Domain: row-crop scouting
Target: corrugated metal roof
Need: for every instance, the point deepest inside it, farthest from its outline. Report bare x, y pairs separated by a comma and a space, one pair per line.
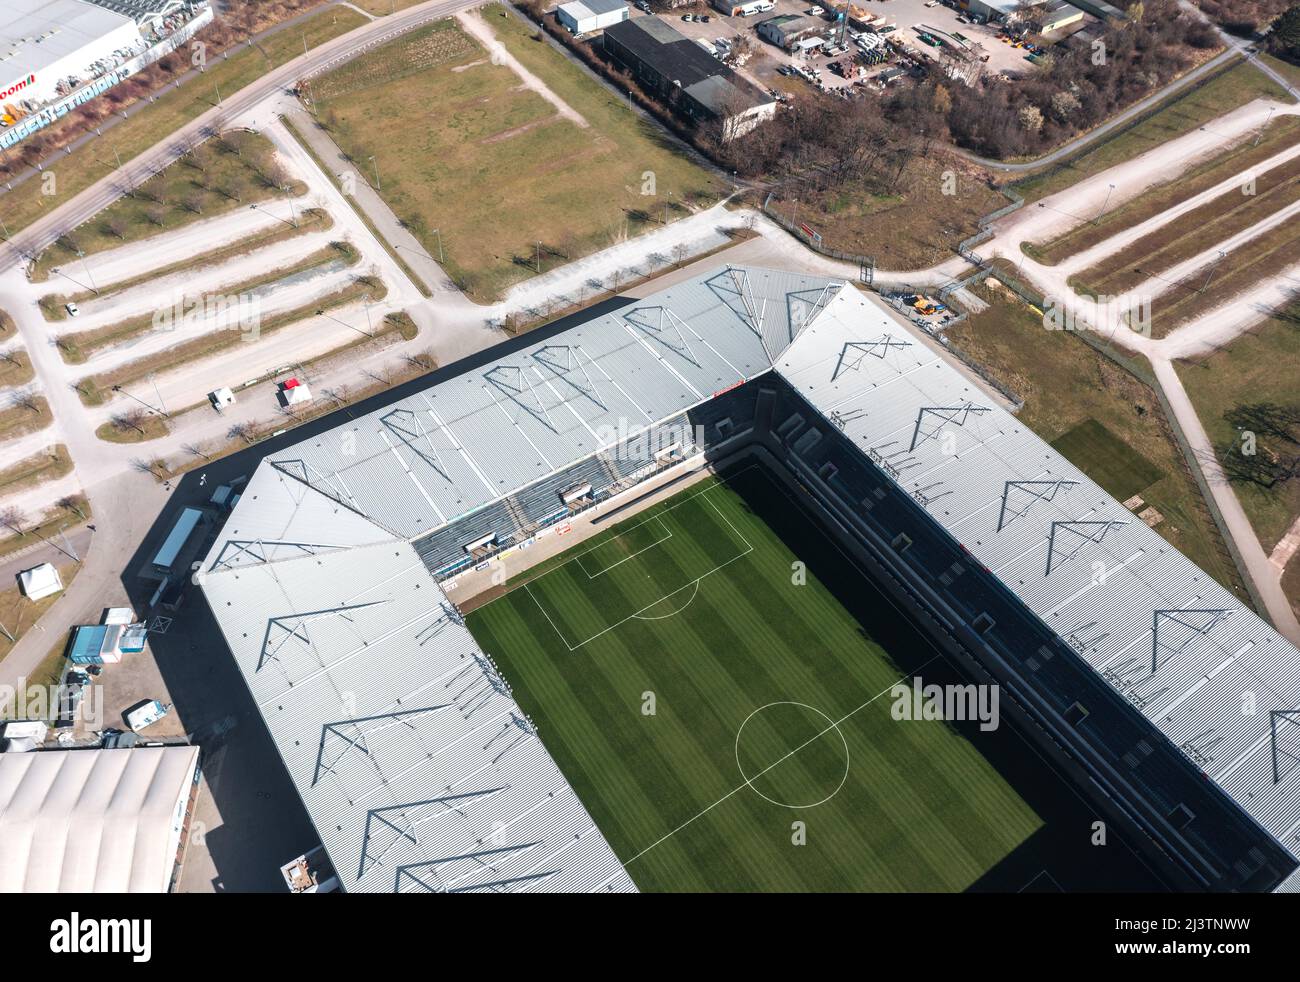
417, 767
1201, 667
92, 821
1204, 669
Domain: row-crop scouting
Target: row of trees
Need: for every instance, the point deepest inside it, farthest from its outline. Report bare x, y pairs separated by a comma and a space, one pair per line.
1079, 86
1075, 89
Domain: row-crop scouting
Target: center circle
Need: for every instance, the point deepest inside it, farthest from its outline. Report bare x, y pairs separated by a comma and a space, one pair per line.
779, 732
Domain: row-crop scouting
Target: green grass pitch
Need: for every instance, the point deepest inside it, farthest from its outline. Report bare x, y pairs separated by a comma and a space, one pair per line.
771, 706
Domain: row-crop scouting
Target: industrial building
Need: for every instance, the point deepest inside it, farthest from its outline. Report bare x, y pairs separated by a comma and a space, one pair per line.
47, 47
57, 54
95, 821
329, 578
685, 77
787, 29
586, 16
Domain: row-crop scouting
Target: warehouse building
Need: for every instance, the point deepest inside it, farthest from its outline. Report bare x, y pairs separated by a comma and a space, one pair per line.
784, 31
48, 46
585, 16
682, 75
56, 55
95, 821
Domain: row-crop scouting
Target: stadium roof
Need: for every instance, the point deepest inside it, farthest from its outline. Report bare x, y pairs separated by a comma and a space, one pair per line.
338, 509
92, 821
417, 767
1182, 649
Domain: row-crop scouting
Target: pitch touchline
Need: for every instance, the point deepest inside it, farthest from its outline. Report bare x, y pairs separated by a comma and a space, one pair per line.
816, 736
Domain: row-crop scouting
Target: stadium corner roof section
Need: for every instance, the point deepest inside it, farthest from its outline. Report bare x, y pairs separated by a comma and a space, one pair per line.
319, 587
93, 821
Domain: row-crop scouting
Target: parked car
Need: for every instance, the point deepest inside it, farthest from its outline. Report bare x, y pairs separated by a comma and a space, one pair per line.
72, 309
642, 6
146, 714
688, 17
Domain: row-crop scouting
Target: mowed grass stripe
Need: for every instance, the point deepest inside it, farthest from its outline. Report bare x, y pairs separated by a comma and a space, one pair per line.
753, 603
619, 778
920, 809
583, 607
700, 753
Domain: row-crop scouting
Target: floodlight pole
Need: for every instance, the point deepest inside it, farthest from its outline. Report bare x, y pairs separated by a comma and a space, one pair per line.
1210, 275
1263, 126
1104, 204
86, 266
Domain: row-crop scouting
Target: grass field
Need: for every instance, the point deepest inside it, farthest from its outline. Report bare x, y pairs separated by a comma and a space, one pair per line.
490, 165
771, 706
1233, 88
231, 171
1258, 368
1089, 408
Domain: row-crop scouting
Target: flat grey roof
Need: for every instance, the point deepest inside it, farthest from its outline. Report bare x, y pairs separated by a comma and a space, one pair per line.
37, 33
586, 8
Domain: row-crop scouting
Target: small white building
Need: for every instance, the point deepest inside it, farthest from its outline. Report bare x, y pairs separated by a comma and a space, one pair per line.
585, 16
95, 821
40, 581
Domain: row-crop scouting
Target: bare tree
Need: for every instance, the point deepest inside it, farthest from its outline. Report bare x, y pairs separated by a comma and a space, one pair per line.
26, 399
70, 502
241, 431
129, 419
13, 518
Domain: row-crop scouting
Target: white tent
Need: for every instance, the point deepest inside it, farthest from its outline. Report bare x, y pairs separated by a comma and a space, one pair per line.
40, 581
93, 821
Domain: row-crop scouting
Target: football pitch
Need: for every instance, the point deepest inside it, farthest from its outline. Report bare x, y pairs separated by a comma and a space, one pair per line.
713, 677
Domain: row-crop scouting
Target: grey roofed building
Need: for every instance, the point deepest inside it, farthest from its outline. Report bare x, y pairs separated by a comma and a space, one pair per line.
358, 505
580, 16
683, 75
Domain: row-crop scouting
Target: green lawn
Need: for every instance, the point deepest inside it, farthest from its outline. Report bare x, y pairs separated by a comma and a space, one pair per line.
462, 147
1255, 376
693, 601
1118, 468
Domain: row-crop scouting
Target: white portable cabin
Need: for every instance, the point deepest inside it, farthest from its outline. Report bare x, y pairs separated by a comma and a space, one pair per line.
40, 581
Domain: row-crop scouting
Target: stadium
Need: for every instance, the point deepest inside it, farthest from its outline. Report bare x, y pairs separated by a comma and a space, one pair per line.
620, 606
